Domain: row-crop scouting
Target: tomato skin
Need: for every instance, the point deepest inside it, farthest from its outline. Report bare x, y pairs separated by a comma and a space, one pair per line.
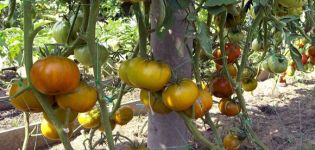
202, 105
231, 69
153, 101
290, 71
78, 22
249, 85
265, 66
149, 75
90, 119
61, 115
123, 115
229, 108
49, 131
304, 59
112, 125
122, 72
256, 46
311, 51
55, 75
312, 60
27, 101
277, 63
248, 73
221, 87
60, 31
233, 51
82, 99
236, 37
180, 96
231, 142
83, 55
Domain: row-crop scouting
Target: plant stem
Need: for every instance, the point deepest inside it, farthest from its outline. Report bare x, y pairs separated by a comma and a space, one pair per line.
120, 95
214, 129
26, 130
28, 61
73, 23
90, 34
142, 30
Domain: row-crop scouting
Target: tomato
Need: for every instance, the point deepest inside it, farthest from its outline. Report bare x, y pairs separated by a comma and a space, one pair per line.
90, 119
55, 75
249, 85
60, 31
290, 71
83, 55
149, 75
300, 42
312, 60
248, 73
231, 20
112, 125
49, 131
311, 51
229, 108
308, 67
304, 59
122, 72
277, 63
231, 69
82, 99
61, 115
236, 37
123, 115
78, 22
180, 96
233, 51
202, 105
26, 101
154, 102
221, 87
231, 142
265, 66
292, 3
256, 46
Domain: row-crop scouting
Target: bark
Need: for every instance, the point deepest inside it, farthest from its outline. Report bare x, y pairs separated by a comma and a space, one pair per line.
169, 131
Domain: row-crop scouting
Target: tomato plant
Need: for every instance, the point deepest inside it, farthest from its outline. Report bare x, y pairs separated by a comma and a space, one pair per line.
49, 131
233, 52
90, 119
82, 99
231, 69
83, 55
277, 63
228, 107
221, 87
55, 75
180, 96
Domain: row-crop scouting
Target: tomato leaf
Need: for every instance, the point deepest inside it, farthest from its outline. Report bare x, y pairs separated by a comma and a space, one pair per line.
167, 22
3, 4
297, 57
220, 2
215, 10
204, 38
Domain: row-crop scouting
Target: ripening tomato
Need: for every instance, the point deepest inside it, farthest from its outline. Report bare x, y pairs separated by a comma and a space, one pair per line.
231, 142
180, 96
231, 69
123, 115
147, 74
249, 85
153, 101
228, 107
82, 99
311, 51
90, 119
55, 75
300, 42
290, 71
233, 51
83, 55
277, 63
122, 72
26, 101
312, 60
202, 105
61, 115
221, 87
248, 73
304, 59
49, 131
231, 20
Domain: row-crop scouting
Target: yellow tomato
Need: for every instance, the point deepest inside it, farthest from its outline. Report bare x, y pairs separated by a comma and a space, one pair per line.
154, 102
180, 96
49, 131
82, 99
90, 119
123, 115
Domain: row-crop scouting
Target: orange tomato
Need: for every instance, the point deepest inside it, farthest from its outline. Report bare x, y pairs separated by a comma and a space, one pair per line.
123, 115
202, 105
229, 108
231, 142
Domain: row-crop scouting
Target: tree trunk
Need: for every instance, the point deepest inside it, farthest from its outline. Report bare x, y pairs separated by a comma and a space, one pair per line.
169, 131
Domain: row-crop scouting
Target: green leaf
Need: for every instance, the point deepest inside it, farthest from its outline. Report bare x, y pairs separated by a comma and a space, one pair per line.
167, 23
3, 4
203, 36
212, 3
162, 13
215, 10
297, 57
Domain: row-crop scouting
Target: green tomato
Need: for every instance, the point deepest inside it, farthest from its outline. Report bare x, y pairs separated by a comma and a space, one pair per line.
291, 3
308, 68
236, 37
78, 22
256, 46
60, 31
295, 11
265, 66
277, 63
83, 55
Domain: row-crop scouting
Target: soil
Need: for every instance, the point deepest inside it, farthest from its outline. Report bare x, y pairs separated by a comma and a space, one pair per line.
282, 117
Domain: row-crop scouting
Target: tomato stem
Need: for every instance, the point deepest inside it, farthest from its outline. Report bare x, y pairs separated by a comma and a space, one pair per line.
26, 130
142, 30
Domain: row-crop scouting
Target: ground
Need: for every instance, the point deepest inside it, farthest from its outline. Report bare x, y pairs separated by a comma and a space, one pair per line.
282, 117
